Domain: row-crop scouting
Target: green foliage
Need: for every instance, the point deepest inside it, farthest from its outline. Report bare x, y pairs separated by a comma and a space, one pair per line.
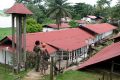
8, 74
57, 10
33, 26
82, 75
116, 12
5, 32
48, 21
73, 23
103, 8
75, 75
39, 12
30, 60
81, 9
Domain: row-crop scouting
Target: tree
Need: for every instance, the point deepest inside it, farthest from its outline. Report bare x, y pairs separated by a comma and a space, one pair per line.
58, 10
33, 26
23, 1
36, 7
116, 10
38, 15
103, 8
81, 9
18, 1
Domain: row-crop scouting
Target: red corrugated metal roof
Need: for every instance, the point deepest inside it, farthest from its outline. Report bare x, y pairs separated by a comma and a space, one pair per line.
69, 39
30, 43
74, 39
18, 8
100, 28
108, 52
63, 25
61, 39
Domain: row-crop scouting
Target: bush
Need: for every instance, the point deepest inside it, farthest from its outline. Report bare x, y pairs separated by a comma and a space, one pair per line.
73, 24
48, 21
30, 60
33, 26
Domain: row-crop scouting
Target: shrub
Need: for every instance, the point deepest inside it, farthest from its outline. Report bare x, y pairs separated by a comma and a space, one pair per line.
33, 26
73, 24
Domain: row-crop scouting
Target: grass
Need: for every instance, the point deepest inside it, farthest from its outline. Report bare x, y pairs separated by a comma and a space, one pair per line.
4, 32
80, 75
76, 75
8, 74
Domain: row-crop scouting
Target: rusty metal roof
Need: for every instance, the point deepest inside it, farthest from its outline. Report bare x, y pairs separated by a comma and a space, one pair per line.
107, 53
18, 8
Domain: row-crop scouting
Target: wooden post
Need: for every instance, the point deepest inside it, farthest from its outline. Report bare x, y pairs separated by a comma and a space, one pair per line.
59, 62
72, 56
76, 56
112, 68
18, 41
24, 42
51, 69
103, 76
13, 41
5, 60
62, 55
69, 55
67, 59
13, 32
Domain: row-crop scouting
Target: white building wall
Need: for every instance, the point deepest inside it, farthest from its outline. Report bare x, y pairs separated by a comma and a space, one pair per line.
82, 53
100, 37
48, 29
8, 57
104, 35
52, 29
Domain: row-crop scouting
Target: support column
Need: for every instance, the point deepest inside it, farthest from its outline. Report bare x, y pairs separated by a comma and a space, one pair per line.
17, 42
111, 72
24, 41
13, 32
67, 62
69, 55
20, 39
84, 52
62, 55
76, 56
72, 53
13, 41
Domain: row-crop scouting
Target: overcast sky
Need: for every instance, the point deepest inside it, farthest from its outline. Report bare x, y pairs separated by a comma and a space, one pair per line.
8, 3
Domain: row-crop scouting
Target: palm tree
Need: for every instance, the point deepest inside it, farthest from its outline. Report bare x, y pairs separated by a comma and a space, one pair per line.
18, 1
23, 1
58, 9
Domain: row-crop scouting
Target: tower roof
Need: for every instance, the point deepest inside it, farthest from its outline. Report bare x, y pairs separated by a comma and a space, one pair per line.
18, 8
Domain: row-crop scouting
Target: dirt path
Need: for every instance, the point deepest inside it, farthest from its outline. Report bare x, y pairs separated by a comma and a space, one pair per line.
33, 75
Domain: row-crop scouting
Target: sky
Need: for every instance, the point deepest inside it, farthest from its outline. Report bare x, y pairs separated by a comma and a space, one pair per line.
8, 3
92, 2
